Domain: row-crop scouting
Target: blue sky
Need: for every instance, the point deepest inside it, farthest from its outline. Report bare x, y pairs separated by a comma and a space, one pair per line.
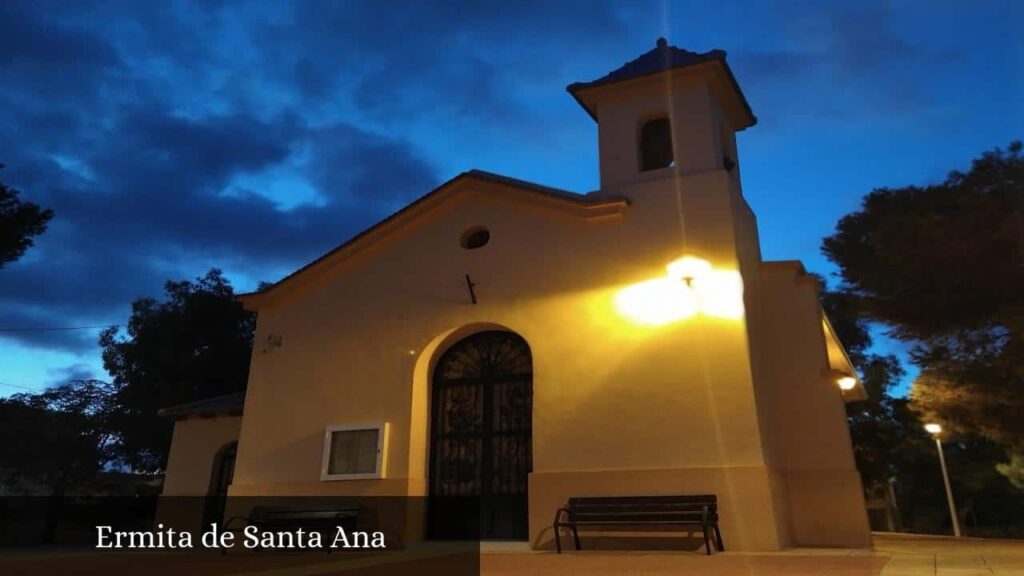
172, 137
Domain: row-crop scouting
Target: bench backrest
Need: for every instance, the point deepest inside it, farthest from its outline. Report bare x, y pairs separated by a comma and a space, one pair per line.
285, 516
688, 508
631, 500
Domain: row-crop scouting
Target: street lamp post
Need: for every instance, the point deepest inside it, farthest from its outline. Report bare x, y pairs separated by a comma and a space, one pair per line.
935, 430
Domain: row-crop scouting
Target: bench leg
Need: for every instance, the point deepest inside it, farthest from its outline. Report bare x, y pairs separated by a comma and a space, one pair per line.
558, 538
718, 539
576, 537
707, 541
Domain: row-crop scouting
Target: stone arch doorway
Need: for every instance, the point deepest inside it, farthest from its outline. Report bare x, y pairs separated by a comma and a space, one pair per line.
481, 438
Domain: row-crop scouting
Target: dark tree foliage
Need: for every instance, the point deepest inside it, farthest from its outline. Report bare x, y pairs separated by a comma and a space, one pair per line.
57, 440
195, 344
943, 267
939, 261
19, 222
891, 447
878, 424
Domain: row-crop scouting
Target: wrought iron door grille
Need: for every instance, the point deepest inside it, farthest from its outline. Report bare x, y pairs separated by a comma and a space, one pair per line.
481, 432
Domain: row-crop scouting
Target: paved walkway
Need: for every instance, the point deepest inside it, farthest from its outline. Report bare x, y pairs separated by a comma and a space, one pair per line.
616, 564
940, 556
893, 555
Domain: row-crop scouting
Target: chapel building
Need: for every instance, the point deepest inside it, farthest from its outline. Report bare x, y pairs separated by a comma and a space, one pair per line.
523, 345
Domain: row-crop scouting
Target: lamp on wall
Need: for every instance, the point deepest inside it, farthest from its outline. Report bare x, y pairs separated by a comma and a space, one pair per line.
844, 379
688, 269
691, 286
847, 382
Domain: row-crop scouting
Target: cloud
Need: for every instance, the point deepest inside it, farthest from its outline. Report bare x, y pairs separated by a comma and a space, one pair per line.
159, 200
170, 137
856, 52
456, 61
48, 58
152, 188
352, 166
66, 374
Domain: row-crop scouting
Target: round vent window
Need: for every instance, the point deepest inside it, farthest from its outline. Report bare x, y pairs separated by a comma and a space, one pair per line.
475, 237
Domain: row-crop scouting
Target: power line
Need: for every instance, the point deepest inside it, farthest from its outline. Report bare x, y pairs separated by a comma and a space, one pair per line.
60, 328
17, 386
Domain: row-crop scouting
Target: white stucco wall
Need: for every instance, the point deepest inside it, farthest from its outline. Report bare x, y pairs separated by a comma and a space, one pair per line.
195, 444
692, 406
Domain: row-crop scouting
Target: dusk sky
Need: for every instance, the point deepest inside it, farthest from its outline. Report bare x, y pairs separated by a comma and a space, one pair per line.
172, 137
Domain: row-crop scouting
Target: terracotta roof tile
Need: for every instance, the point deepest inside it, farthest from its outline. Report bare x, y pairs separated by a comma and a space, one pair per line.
663, 57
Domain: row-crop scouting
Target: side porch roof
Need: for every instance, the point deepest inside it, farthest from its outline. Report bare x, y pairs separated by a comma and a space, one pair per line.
226, 405
839, 362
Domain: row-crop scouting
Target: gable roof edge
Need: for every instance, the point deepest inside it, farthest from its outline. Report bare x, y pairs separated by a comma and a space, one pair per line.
587, 208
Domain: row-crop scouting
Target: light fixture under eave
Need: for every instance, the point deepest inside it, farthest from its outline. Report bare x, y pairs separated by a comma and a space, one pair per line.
847, 383
933, 428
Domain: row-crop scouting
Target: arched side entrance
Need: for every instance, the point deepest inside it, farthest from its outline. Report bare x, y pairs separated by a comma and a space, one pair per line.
481, 438
221, 474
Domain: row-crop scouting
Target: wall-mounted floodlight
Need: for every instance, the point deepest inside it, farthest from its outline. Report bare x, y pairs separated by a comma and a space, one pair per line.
691, 286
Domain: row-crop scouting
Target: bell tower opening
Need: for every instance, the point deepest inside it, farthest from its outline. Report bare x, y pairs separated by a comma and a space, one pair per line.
655, 144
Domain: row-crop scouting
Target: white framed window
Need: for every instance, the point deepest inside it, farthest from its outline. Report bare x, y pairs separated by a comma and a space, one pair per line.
354, 452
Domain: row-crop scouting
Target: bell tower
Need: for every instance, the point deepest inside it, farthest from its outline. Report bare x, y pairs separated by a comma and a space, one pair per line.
670, 112
667, 124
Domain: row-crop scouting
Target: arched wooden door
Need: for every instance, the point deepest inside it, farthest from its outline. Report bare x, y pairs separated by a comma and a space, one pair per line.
481, 438
221, 474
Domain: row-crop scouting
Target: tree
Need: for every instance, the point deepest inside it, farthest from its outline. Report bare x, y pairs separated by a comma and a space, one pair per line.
70, 439
939, 261
943, 267
195, 344
19, 223
891, 447
1013, 470
876, 427
878, 424
55, 442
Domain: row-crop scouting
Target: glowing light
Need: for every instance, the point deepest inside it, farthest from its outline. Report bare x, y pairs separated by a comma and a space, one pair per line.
847, 382
656, 302
688, 269
721, 293
692, 286
933, 428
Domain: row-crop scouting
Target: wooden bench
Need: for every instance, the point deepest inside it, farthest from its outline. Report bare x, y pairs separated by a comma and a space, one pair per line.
679, 511
312, 518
